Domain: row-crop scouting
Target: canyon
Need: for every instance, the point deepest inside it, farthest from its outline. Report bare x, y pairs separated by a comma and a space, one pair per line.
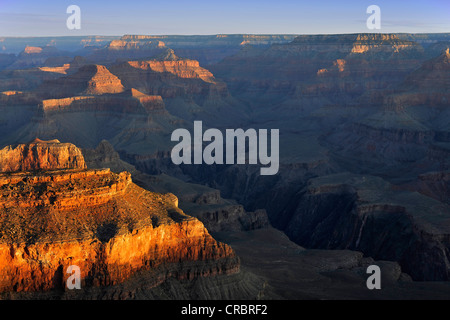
363, 170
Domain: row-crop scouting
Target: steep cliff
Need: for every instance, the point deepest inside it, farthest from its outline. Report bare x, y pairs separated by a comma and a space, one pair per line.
364, 213
169, 76
88, 80
183, 68
99, 221
41, 155
130, 101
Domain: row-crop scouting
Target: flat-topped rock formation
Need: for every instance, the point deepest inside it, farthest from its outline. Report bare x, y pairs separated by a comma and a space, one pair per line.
380, 43
352, 43
130, 101
14, 97
149, 102
134, 45
61, 69
41, 155
31, 50
189, 69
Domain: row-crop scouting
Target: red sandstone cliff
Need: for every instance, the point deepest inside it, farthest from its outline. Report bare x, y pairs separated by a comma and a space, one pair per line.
169, 76
41, 155
129, 101
188, 69
95, 219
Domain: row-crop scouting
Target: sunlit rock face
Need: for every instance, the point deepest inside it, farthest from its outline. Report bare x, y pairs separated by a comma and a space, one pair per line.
41, 155
55, 213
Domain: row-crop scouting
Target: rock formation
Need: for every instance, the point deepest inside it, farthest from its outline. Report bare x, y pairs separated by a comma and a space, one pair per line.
98, 220
130, 101
63, 69
169, 76
88, 80
183, 68
41, 155
31, 50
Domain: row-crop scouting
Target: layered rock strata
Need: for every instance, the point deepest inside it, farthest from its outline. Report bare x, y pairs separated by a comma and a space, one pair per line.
100, 221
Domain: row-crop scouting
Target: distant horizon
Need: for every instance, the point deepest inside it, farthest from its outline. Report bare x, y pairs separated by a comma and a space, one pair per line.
27, 18
218, 34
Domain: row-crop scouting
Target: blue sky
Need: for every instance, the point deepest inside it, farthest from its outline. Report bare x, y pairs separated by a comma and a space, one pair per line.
48, 18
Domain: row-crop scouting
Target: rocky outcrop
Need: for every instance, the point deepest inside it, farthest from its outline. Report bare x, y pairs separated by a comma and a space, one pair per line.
133, 45
41, 155
170, 76
379, 43
130, 101
31, 50
354, 43
62, 69
182, 68
6, 60
88, 80
14, 97
10, 93
102, 81
103, 223
63, 103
